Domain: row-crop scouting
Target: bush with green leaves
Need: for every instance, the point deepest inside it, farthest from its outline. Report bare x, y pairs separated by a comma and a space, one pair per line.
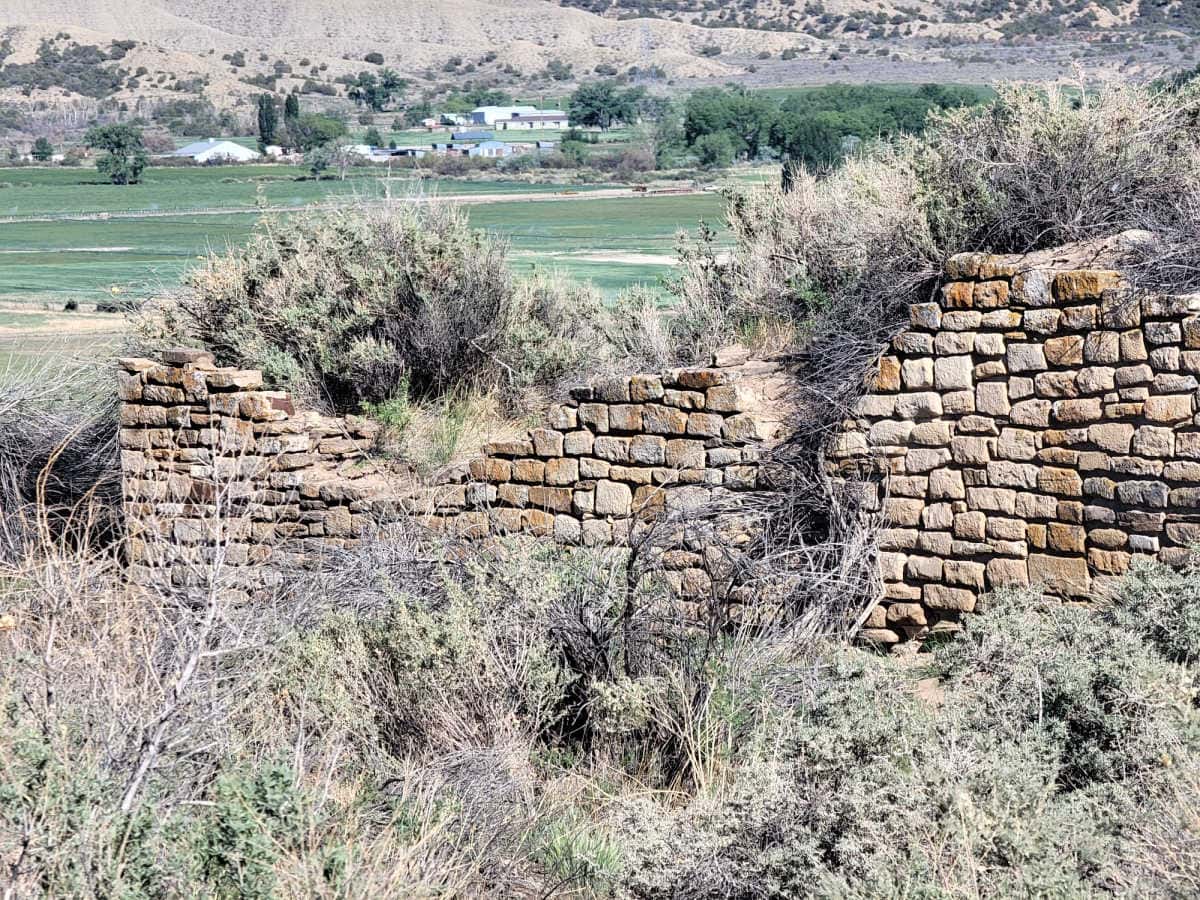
1163, 606
124, 157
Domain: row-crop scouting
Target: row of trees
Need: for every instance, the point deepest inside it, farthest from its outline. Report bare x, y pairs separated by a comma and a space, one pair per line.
815, 127
296, 129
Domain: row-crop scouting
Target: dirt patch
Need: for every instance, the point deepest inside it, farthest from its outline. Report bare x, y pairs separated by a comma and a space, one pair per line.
18, 321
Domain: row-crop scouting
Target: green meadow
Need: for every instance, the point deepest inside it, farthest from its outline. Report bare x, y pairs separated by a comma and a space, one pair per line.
613, 242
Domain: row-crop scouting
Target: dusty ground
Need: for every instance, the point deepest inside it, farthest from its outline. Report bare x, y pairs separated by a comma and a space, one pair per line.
18, 320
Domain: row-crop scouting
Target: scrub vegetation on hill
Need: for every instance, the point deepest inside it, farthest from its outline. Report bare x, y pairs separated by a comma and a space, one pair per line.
423, 717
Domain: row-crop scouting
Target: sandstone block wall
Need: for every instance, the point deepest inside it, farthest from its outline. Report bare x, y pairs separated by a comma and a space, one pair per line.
1037, 424
215, 467
1034, 425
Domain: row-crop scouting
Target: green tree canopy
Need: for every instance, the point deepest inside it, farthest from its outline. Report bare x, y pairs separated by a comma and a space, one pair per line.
744, 117
465, 101
376, 92
715, 150
268, 119
601, 104
291, 108
311, 130
417, 112
125, 154
42, 150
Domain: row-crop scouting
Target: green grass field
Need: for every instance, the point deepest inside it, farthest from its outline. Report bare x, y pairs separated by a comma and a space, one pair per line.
85, 260
48, 191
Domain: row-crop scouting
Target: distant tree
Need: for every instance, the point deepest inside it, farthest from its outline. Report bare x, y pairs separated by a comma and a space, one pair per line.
363, 89
125, 154
42, 150
268, 119
485, 96
816, 139
601, 104
333, 155
575, 151
392, 85
291, 108
558, 70
715, 150
311, 131
668, 141
819, 127
414, 115
373, 138
744, 117
376, 92
374, 58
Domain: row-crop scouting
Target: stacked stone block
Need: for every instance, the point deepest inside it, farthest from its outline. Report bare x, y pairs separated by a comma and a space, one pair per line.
1033, 426
620, 452
218, 470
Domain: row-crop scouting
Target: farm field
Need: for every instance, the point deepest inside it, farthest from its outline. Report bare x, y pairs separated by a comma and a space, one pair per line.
31, 192
614, 242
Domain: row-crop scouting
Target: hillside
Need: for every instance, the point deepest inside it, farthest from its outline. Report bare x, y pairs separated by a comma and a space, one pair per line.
510, 38
227, 51
962, 18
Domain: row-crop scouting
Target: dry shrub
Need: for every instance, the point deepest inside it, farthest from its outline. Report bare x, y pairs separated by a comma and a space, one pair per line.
1044, 167
1043, 765
344, 307
845, 252
418, 718
58, 453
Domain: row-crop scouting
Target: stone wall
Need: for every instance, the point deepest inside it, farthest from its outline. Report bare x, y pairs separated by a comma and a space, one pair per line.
1035, 425
215, 467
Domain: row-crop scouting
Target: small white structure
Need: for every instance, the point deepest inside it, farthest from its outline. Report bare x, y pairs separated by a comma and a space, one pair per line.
489, 115
491, 149
545, 118
213, 150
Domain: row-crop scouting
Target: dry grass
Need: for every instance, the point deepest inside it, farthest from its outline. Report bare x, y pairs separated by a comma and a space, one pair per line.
417, 718
58, 454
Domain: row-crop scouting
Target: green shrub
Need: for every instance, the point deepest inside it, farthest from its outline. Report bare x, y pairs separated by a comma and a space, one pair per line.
255, 816
575, 852
1092, 691
1023, 774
